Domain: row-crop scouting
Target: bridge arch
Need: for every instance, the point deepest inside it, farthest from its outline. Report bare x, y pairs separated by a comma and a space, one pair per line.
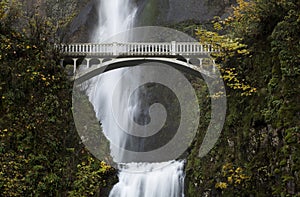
179, 63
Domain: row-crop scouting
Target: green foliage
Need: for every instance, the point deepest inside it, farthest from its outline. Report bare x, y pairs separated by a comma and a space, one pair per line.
39, 146
261, 132
90, 178
229, 47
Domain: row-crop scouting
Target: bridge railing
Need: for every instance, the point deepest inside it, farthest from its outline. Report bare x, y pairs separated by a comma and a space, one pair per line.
137, 49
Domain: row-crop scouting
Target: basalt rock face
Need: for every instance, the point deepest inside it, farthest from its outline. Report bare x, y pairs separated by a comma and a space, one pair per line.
59, 12
150, 12
82, 26
166, 12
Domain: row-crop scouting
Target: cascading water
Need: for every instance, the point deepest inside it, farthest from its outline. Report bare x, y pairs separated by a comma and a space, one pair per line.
162, 182
115, 16
163, 179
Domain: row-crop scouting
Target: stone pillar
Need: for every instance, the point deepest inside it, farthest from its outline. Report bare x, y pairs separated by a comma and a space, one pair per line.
100, 61
75, 65
200, 62
88, 62
188, 61
214, 66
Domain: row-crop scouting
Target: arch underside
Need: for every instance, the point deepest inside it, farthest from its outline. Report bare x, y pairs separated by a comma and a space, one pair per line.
189, 66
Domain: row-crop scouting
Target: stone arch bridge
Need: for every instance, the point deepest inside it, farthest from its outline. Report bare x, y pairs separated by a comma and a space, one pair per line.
91, 59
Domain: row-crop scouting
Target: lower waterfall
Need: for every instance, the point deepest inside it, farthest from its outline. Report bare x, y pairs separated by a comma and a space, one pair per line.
158, 180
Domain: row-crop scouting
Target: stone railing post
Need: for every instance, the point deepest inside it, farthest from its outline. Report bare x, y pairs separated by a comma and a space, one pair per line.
115, 50
173, 48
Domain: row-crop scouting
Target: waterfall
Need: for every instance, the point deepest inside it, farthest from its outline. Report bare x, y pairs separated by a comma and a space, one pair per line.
115, 16
109, 96
165, 181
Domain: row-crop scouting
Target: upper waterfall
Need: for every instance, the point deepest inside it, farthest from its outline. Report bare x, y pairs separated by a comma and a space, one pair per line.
115, 16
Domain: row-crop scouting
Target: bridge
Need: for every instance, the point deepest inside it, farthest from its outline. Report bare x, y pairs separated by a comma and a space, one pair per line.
96, 56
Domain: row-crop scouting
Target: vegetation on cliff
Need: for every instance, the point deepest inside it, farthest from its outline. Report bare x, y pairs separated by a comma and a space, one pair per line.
40, 150
258, 152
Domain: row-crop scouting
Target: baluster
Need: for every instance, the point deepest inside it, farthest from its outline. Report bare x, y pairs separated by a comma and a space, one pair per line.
139, 48
125, 49
136, 47
188, 48
152, 46
168, 49
148, 49
181, 49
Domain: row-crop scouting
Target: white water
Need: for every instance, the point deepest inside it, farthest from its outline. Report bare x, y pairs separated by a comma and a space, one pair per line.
135, 179
115, 16
166, 180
